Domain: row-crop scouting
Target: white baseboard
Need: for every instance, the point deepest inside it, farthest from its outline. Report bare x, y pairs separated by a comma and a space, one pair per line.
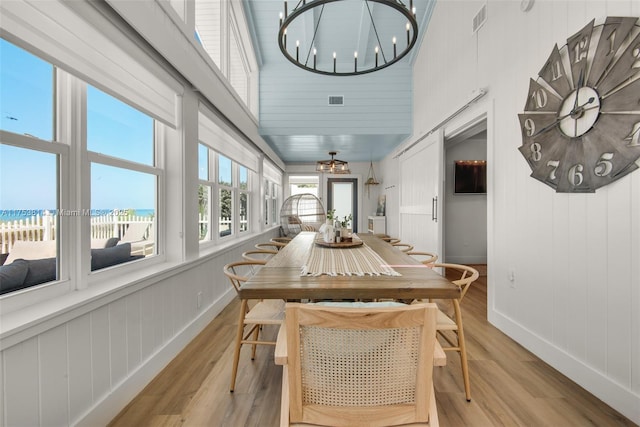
121, 394
621, 399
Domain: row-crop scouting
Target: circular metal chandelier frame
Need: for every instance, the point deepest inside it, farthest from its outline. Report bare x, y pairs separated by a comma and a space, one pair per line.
306, 5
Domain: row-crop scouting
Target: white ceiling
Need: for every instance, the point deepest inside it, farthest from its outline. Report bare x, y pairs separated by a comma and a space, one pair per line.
345, 27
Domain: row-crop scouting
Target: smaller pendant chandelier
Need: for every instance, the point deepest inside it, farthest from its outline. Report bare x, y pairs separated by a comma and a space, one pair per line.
332, 165
371, 179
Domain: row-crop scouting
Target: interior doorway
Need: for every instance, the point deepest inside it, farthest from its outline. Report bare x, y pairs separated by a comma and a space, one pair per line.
342, 195
465, 203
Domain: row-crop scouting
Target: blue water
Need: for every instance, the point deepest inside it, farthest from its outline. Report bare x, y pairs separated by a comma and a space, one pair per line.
18, 214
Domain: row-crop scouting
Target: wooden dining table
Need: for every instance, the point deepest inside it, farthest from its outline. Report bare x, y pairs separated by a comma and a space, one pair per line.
282, 278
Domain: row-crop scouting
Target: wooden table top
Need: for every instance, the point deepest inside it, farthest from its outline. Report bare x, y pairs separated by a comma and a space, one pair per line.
280, 277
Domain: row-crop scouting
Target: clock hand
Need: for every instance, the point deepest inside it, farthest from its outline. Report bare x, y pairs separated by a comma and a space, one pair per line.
580, 83
561, 118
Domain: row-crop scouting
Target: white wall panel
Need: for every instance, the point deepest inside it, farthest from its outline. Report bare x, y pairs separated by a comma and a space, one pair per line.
100, 358
21, 384
575, 298
79, 348
134, 338
118, 340
54, 388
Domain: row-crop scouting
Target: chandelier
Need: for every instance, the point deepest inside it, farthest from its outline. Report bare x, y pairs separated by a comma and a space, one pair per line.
325, 60
332, 165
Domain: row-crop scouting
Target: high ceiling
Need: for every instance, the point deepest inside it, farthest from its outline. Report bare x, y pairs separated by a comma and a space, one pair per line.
345, 27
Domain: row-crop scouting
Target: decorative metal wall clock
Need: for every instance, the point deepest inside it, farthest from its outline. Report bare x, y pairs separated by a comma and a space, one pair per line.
581, 121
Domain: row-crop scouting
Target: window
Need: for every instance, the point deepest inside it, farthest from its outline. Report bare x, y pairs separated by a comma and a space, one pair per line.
232, 186
29, 164
244, 198
304, 184
204, 193
238, 74
271, 205
39, 194
120, 141
208, 27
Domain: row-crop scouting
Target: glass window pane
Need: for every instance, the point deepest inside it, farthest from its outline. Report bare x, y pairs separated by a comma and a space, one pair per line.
26, 92
238, 76
118, 130
266, 212
266, 187
224, 171
208, 27
203, 162
244, 224
274, 211
244, 178
204, 195
123, 206
28, 207
226, 213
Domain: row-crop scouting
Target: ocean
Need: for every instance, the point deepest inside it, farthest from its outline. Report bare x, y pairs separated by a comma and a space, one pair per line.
9, 215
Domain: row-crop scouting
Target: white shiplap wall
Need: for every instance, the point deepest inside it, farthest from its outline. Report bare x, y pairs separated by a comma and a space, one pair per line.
87, 363
576, 257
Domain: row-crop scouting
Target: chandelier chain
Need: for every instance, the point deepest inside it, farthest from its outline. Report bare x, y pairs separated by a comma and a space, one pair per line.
375, 30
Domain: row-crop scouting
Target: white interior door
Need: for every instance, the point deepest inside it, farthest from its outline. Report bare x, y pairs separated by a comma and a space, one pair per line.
420, 194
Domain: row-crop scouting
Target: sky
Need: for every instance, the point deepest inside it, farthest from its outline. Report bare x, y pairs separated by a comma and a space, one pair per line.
28, 177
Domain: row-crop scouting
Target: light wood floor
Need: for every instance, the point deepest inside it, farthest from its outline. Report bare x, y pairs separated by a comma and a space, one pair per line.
509, 385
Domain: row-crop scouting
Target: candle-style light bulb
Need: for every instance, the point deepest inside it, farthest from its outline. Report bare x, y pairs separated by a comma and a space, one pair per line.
377, 49
297, 50
285, 38
334, 62
408, 39
281, 19
394, 46
314, 58
413, 10
355, 61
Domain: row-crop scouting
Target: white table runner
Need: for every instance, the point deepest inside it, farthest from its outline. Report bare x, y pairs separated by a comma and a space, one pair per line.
356, 261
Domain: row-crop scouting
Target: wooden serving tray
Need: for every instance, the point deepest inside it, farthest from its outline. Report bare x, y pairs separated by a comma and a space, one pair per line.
350, 244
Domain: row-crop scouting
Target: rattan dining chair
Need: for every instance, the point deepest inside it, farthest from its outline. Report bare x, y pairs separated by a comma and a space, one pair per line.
404, 247
252, 317
269, 246
357, 366
283, 240
390, 240
449, 321
426, 258
258, 255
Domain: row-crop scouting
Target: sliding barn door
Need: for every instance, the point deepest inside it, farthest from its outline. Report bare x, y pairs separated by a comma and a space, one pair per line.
421, 185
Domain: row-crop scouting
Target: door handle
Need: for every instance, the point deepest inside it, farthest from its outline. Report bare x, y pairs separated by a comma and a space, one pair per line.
434, 209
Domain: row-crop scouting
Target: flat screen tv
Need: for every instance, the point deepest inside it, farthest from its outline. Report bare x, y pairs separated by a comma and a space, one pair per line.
470, 177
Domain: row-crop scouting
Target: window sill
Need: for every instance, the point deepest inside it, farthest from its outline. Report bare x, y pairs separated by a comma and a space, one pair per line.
104, 287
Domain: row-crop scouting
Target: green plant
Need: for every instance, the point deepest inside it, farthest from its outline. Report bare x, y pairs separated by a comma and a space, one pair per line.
345, 222
331, 214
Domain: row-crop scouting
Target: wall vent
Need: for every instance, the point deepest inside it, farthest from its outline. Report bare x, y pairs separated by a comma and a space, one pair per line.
336, 100
480, 18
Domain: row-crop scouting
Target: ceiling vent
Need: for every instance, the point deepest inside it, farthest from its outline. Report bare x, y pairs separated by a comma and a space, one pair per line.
480, 18
336, 100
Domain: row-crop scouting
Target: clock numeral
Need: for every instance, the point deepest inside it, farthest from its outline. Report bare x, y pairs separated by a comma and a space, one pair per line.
536, 152
575, 175
580, 49
529, 127
540, 98
604, 165
556, 70
634, 136
554, 164
636, 54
